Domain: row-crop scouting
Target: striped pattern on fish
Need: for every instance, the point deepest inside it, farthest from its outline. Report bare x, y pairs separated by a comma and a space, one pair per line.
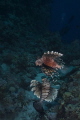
43, 90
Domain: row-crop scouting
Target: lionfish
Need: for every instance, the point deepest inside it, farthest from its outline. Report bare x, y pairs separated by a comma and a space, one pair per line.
50, 62
44, 90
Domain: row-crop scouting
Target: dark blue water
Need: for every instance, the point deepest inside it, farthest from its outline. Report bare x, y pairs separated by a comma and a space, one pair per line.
65, 18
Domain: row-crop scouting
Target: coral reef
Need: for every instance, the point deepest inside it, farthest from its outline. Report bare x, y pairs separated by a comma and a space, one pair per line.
70, 99
24, 37
16, 72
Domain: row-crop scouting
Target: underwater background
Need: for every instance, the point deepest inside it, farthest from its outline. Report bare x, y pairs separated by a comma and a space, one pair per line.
42, 30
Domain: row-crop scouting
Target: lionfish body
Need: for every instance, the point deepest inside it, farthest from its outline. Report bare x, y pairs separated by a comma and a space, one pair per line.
43, 90
50, 62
